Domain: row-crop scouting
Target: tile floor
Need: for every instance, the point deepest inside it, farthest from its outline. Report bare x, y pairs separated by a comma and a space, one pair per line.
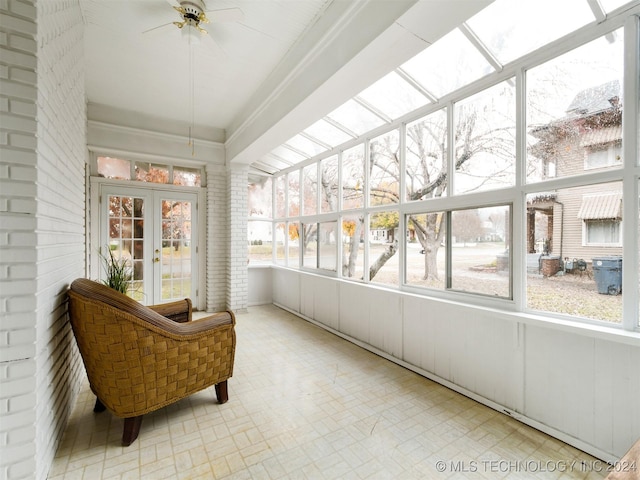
306, 404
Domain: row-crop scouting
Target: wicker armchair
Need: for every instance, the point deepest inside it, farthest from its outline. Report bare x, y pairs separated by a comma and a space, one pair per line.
139, 359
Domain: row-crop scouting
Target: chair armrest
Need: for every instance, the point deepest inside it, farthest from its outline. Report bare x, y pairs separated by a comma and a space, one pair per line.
179, 311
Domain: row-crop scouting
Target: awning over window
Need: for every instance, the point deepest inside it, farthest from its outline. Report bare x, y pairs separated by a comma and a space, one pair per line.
608, 205
602, 136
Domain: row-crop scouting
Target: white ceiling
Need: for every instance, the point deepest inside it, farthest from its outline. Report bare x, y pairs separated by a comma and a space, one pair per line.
284, 65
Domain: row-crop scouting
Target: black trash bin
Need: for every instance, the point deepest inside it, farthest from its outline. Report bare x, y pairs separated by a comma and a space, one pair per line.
607, 272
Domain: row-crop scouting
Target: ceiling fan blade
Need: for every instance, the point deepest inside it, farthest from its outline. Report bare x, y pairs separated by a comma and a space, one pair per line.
174, 3
209, 43
158, 27
225, 15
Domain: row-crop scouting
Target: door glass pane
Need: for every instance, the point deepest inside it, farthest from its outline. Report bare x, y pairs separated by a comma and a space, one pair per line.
125, 238
175, 254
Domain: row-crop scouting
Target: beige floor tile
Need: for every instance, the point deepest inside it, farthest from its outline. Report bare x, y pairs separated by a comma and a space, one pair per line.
305, 404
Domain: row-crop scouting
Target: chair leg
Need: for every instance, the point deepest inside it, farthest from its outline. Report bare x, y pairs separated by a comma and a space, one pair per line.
222, 394
131, 430
99, 407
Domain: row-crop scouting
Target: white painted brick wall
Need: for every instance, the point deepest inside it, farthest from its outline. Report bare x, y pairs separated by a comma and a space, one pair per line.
217, 238
42, 235
237, 269
18, 174
60, 234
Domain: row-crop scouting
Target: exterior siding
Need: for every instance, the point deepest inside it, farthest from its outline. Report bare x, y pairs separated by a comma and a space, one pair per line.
572, 232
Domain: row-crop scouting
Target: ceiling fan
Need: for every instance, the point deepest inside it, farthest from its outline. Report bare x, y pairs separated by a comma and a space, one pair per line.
193, 13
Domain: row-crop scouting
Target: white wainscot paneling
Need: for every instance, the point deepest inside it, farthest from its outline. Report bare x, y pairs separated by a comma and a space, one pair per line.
319, 300
354, 310
385, 318
373, 316
584, 386
286, 288
260, 286
469, 348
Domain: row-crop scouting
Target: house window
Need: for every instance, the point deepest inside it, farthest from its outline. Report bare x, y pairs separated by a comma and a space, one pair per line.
601, 215
602, 232
600, 156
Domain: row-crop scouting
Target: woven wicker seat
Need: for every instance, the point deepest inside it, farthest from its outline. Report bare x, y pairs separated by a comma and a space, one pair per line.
139, 359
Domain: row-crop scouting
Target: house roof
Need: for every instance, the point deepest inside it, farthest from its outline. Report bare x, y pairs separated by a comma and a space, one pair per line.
596, 99
601, 136
601, 206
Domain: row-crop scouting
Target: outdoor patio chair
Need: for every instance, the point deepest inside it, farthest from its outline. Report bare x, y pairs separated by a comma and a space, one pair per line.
139, 359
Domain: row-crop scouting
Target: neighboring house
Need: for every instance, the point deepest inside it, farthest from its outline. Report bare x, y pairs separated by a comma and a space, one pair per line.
584, 222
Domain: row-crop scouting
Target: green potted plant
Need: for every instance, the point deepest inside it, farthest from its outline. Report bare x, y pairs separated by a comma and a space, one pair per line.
118, 272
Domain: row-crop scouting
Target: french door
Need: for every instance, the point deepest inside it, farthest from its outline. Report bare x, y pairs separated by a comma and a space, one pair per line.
155, 232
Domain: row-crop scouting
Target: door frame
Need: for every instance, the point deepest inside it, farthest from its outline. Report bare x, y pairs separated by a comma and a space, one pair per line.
98, 184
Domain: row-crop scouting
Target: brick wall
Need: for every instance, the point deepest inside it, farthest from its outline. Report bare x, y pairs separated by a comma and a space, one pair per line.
42, 136
227, 275
217, 241
237, 204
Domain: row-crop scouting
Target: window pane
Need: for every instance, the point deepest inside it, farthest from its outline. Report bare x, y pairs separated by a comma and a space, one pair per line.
480, 251
329, 184
426, 157
281, 243
327, 133
512, 29
281, 201
353, 247
353, 178
574, 104
114, 168
327, 246
149, 172
310, 245
383, 247
384, 172
260, 242
355, 117
610, 5
293, 192
450, 63
291, 157
293, 250
426, 233
260, 198
320, 248
485, 129
310, 189
187, 177
309, 147
567, 230
393, 96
